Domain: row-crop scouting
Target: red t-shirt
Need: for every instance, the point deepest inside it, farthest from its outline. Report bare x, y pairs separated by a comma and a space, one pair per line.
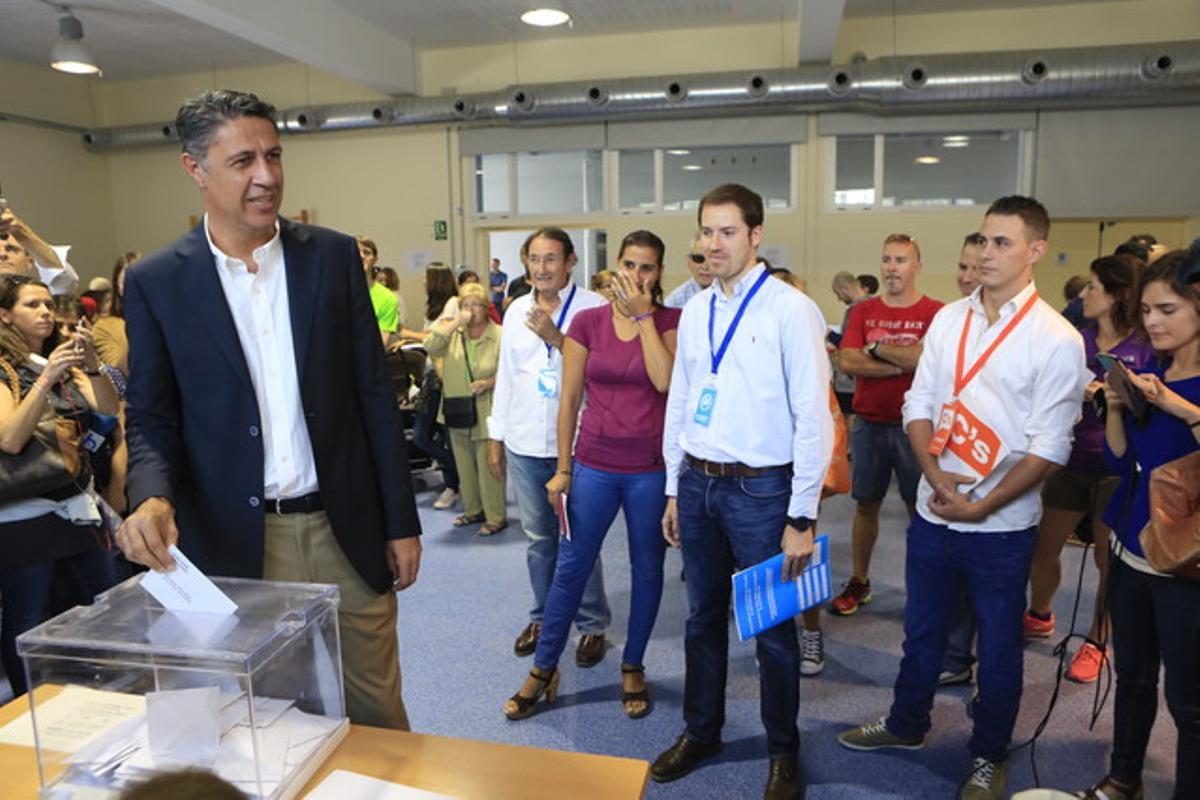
880, 399
622, 427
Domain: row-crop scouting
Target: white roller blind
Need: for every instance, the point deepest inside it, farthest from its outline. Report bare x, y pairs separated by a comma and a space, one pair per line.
708, 132
540, 139
1119, 162
860, 124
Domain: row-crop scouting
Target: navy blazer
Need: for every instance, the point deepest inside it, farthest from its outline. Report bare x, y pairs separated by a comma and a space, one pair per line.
193, 419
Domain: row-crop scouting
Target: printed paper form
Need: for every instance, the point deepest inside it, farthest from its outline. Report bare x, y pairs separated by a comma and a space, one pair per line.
186, 588
345, 785
75, 716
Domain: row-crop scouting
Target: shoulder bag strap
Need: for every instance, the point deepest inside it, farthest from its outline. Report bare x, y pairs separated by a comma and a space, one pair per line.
467, 358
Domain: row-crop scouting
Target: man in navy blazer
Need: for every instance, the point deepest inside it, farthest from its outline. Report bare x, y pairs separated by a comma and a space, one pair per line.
262, 425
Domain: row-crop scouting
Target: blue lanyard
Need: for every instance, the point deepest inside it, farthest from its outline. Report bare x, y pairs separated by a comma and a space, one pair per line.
718, 355
562, 315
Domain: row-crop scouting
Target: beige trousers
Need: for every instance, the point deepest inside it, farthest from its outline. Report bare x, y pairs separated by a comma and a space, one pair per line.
480, 490
302, 547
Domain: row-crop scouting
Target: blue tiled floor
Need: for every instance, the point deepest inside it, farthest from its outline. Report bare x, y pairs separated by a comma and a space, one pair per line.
458, 624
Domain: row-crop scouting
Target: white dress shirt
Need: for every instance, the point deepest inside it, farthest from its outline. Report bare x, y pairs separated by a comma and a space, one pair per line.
681, 294
61, 281
772, 405
1029, 392
260, 309
525, 421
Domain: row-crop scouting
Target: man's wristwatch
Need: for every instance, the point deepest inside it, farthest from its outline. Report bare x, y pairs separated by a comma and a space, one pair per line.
871, 348
801, 524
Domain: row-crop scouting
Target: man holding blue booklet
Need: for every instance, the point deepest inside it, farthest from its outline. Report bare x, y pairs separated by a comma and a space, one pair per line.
747, 442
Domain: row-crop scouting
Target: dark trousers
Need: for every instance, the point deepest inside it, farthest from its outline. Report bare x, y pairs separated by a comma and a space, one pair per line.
994, 569
726, 524
25, 592
433, 438
1155, 620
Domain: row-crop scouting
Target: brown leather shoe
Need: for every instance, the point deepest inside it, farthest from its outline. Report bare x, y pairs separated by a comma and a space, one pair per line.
784, 782
590, 651
681, 758
527, 642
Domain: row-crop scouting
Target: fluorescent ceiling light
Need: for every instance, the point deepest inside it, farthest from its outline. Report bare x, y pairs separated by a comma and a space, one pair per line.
956, 144
679, 152
546, 15
69, 54
927, 160
956, 138
692, 167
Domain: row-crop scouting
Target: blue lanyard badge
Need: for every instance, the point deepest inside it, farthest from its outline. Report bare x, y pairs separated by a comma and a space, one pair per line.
708, 395
562, 315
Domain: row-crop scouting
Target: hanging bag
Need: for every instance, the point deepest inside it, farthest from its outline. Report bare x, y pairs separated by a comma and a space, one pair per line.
1171, 540
49, 461
459, 412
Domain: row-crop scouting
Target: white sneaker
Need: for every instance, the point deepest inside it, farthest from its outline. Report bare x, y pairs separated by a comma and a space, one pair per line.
812, 652
447, 498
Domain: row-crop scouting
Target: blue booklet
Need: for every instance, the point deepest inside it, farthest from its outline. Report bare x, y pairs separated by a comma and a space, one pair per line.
761, 599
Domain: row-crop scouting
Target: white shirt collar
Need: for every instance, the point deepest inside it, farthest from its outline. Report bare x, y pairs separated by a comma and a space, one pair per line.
744, 283
261, 253
975, 298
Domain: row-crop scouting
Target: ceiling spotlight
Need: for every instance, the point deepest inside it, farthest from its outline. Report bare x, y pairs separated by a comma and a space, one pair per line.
927, 160
547, 14
69, 54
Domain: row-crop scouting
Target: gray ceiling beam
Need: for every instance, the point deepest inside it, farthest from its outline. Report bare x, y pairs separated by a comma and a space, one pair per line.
314, 32
819, 23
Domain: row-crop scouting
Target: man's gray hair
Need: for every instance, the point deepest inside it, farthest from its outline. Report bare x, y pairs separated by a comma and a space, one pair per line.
843, 279
199, 118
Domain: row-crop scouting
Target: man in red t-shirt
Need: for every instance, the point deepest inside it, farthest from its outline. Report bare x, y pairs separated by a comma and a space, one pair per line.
880, 347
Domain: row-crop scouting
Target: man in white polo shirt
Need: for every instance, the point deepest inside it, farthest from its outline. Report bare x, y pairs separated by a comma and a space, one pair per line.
523, 434
989, 415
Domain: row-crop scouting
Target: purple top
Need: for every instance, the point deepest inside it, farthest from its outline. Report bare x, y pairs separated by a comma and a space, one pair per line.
1088, 453
622, 426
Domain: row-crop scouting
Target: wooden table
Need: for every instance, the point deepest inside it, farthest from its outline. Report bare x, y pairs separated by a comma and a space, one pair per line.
458, 767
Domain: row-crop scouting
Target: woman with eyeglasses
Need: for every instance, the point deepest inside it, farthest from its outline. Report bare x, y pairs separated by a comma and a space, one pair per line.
621, 355
1155, 617
48, 379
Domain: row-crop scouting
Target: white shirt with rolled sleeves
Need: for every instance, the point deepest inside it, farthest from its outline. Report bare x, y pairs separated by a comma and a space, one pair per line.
259, 305
525, 421
61, 281
1032, 388
772, 403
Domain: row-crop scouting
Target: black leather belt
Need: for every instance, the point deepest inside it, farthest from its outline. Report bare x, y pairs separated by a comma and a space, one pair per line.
295, 505
716, 469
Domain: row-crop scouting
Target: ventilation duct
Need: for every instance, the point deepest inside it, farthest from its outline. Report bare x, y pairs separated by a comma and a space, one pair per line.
1131, 75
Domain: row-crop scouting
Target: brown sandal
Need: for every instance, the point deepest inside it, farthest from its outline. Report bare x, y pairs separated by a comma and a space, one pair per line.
463, 520
642, 696
490, 528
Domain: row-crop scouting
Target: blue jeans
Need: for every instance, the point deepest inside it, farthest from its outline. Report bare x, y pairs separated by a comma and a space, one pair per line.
596, 496
727, 524
26, 593
994, 569
433, 438
1155, 620
528, 476
876, 450
961, 640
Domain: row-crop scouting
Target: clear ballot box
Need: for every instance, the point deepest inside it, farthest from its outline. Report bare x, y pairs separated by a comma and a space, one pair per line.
124, 689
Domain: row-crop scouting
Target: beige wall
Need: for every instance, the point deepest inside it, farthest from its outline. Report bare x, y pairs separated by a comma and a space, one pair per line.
392, 184
47, 177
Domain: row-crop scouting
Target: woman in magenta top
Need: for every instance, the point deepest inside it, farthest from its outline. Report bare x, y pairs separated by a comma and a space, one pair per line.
622, 355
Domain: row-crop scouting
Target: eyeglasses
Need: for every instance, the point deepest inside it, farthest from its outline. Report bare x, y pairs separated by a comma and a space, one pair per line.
15, 278
697, 258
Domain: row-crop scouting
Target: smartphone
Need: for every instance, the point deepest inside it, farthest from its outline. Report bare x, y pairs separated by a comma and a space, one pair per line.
1139, 407
1107, 360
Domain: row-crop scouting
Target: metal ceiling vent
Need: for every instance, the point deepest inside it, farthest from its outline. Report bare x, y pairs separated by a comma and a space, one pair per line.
1162, 74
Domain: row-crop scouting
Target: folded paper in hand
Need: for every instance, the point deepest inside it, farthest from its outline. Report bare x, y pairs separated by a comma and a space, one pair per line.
186, 588
762, 599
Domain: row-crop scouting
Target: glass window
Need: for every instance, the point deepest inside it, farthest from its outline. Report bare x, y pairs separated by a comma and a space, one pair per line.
689, 173
854, 184
491, 183
636, 178
568, 182
946, 169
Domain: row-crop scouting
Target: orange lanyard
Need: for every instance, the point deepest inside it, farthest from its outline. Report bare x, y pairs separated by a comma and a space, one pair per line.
961, 380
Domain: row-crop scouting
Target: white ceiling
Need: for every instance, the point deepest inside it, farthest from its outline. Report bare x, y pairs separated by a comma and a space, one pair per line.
138, 38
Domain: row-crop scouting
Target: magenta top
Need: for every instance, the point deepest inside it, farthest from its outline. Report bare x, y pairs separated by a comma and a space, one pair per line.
622, 425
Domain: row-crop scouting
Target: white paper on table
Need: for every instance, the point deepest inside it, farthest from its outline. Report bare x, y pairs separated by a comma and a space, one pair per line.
186, 588
345, 785
73, 718
182, 726
266, 711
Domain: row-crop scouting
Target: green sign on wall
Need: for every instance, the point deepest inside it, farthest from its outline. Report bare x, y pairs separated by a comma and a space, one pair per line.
440, 230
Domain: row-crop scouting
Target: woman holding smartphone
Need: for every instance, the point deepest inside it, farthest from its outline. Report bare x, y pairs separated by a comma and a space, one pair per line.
1086, 485
1155, 617
622, 354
